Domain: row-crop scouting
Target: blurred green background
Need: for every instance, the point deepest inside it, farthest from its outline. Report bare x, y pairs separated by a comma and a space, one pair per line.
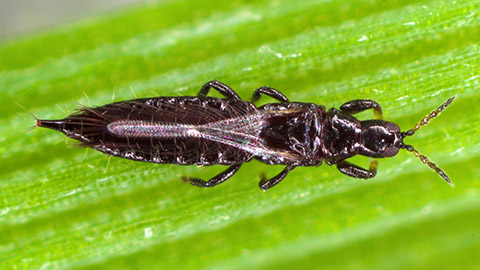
64, 207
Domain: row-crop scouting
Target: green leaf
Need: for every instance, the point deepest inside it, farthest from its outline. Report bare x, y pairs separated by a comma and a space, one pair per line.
63, 207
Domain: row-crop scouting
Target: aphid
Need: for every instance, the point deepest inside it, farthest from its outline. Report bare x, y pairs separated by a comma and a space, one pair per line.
205, 130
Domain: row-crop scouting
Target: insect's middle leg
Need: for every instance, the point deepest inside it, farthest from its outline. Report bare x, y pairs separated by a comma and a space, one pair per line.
222, 88
268, 183
360, 105
219, 178
353, 170
269, 91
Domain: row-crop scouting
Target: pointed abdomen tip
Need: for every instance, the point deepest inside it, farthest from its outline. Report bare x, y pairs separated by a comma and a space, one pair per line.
51, 124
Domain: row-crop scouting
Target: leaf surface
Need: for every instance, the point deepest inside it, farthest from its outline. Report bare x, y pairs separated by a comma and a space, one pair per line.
63, 207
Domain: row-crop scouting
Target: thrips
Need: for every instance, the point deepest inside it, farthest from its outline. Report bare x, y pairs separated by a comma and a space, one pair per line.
228, 131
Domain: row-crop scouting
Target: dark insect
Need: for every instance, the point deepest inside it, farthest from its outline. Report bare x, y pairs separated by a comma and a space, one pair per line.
205, 130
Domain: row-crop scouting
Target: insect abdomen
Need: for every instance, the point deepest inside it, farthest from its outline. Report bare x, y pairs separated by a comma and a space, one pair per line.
160, 130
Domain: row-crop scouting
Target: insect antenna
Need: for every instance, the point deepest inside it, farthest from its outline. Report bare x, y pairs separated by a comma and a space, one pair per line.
425, 160
427, 118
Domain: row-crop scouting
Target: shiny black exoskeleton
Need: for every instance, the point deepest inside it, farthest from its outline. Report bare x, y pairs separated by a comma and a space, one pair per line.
205, 130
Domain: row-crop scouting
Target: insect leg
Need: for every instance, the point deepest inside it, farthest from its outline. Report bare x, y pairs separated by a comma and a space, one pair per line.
272, 92
356, 171
219, 178
360, 105
268, 183
220, 87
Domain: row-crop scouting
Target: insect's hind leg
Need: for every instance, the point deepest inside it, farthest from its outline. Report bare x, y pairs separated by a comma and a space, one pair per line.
222, 88
268, 183
269, 91
360, 105
353, 170
219, 178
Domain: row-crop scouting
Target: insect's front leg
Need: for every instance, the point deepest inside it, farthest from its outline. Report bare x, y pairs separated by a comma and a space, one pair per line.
268, 183
360, 105
353, 170
269, 91
222, 88
219, 178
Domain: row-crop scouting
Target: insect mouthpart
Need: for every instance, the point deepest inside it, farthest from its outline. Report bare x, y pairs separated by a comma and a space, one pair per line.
424, 159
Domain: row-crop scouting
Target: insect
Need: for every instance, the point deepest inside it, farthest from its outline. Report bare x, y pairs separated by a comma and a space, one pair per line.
202, 130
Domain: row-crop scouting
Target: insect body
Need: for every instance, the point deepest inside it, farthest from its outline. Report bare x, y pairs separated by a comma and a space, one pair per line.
205, 130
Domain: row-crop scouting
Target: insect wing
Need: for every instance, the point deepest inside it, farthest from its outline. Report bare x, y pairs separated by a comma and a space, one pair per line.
180, 130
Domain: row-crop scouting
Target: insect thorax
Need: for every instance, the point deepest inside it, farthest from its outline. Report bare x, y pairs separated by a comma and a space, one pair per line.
293, 131
340, 136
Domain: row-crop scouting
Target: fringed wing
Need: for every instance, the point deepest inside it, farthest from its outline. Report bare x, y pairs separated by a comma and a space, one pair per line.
89, 126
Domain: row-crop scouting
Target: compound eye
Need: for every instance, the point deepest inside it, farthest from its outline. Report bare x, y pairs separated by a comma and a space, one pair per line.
392, 127
390, 151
